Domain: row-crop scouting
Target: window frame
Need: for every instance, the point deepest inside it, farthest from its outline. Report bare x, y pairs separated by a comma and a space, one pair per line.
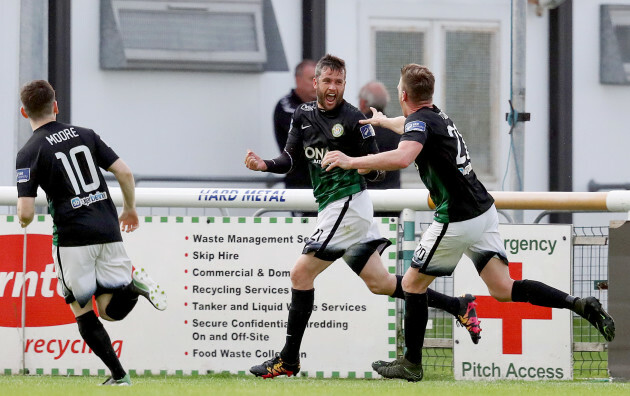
435, 31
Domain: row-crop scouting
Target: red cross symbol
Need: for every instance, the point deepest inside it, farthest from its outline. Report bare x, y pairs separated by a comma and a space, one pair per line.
512, 314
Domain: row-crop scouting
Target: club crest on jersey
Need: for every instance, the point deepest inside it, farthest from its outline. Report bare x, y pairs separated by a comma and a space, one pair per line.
419, 126
23, 175
367, 131
337, 130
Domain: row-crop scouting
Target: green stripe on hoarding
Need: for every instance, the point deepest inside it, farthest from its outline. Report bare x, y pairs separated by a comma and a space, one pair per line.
194, 373
304, 220
179, 373
367, 374
392, 255
210, 220
226, 220
241, 220
164, 219
391, 299
148, 219
393, 241
273, 220
385, 220
257, 220
391, 326
41, 218
163, 372
194, 220
39, 371
241, 373
392, 340
101, 372
179, 219
391, 312
288, 220
335, 374
85, 372
70, 372
392, 227
319, 374
7, 371
9, 219
146, 372
392, 270
56, 371
352, 374
392, 355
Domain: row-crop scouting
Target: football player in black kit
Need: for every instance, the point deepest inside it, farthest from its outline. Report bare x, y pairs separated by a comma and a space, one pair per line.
88, 252
345, 226
465, 219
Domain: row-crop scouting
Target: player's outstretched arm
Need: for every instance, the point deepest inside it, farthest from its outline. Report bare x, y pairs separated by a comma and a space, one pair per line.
128, 219
254, 162
396, 124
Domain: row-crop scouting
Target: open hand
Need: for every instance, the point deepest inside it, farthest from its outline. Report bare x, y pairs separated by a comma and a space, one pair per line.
377, 118
129, 220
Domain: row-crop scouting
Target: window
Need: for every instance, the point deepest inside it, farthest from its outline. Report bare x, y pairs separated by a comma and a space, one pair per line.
198, 35
464, 59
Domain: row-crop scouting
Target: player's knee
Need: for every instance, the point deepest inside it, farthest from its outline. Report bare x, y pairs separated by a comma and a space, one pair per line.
378, 286
300, 279
502, 292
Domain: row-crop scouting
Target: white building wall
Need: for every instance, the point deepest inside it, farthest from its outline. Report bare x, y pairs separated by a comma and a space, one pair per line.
601, 136
9, 96
179, 123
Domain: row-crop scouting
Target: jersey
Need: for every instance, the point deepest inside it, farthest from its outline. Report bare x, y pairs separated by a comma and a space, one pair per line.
315, 131
445, 168
63, 160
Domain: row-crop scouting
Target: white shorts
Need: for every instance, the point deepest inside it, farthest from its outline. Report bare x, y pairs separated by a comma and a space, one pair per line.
85, 270
443, 244
347, 226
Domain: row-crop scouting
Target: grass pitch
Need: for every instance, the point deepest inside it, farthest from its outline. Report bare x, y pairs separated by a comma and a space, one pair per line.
225, 384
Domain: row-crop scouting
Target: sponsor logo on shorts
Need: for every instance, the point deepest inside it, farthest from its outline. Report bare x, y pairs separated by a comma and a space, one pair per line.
23, 175
337, 130
367, 131
419, 126
77, 202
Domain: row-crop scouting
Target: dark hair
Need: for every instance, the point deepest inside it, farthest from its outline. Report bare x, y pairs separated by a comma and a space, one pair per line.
331, 62
418, 82
300, 67
37, 98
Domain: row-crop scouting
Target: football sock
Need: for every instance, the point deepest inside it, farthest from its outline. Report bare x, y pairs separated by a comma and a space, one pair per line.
398, 293
443, 302
299, 314
435, 299
416, 317
96, 337
122, 302
538, 293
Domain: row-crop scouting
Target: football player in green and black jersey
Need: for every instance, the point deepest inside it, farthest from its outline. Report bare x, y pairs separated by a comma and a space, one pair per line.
465, 219
345, 226
89, 256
